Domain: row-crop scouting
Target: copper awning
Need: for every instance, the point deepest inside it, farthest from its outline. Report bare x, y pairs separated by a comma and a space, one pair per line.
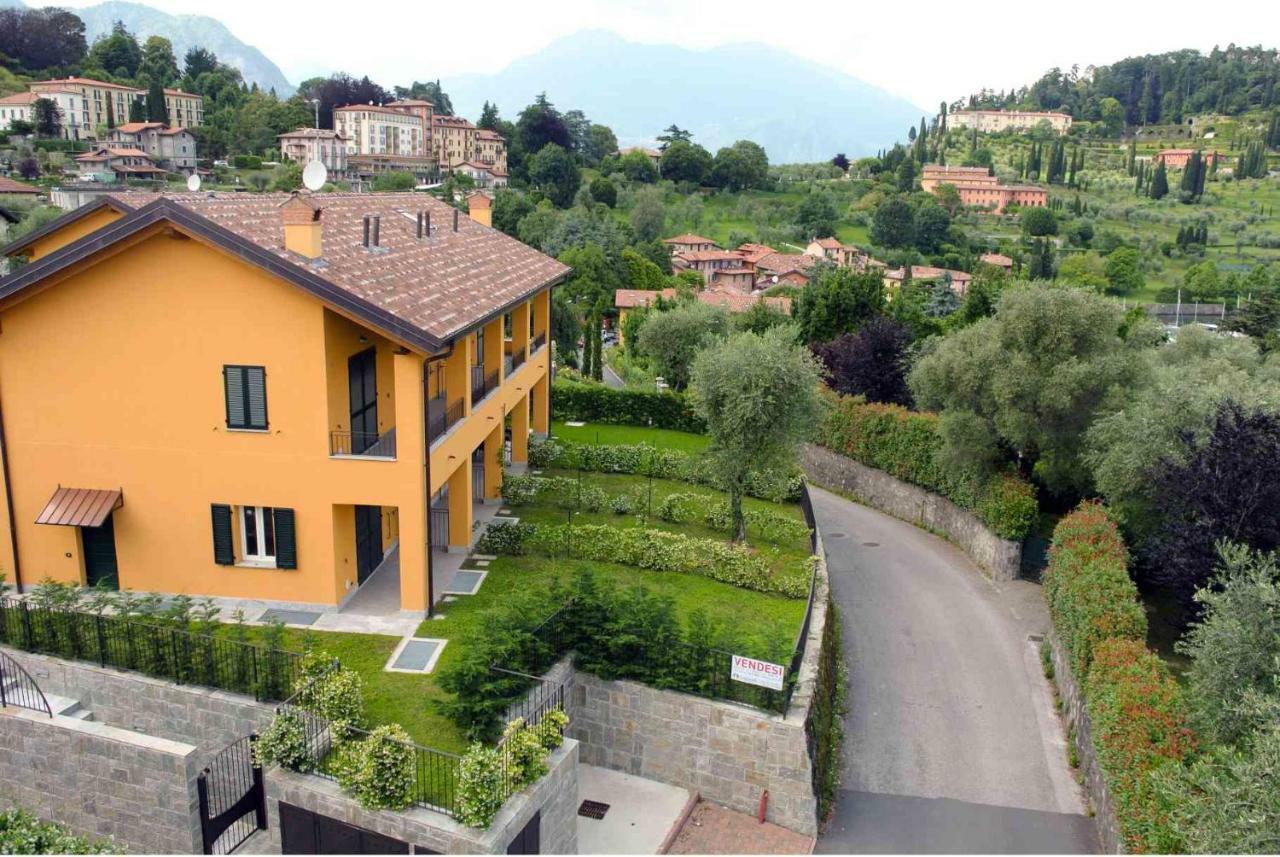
80, 507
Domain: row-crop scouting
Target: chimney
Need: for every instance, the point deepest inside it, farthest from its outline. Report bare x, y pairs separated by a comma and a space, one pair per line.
455, 220
302, 233
372, 226
480, 207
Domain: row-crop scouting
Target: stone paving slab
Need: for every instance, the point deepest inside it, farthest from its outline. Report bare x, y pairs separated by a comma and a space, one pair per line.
712, 829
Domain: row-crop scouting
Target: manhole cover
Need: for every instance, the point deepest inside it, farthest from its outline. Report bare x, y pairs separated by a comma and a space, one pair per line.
836, 536
871, 544
593, 809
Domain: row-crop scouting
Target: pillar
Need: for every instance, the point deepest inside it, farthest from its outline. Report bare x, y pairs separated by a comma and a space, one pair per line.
493, 464
413, 496
460, 507
457, 373
541, 399
493, 348
520, 328
542, 314
520, 431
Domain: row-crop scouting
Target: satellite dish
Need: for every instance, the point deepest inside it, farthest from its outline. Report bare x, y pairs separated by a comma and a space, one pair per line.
314, 175
193, 183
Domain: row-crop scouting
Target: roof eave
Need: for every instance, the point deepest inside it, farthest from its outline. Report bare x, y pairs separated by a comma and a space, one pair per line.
22, 242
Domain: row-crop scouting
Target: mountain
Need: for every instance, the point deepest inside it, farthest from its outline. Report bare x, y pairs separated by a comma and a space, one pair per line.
187, 31
799, 110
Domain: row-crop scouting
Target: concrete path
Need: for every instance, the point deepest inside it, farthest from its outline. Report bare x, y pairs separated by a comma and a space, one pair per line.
611, 378
951, 741
642, 813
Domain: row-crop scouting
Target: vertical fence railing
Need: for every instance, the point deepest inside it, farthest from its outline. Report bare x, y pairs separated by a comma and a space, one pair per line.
19, 689
161, 651
232, 798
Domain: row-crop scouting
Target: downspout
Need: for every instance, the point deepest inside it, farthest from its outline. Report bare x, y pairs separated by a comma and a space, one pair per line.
426, 487
8, 496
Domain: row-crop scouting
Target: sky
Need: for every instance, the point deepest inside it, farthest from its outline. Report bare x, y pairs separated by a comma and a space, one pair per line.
923, 51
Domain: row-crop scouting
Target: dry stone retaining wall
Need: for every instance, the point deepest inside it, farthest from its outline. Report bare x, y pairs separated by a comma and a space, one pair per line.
999, 558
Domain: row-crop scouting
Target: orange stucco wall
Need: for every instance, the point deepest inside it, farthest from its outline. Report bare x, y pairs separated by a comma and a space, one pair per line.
73, 231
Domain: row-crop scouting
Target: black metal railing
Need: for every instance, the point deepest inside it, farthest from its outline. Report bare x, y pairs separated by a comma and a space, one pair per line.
797, 652
232, 798
517, 359
371, 444
158, 650
443, 417
438, 534
538, 341
507, 364
19, 689
481, 384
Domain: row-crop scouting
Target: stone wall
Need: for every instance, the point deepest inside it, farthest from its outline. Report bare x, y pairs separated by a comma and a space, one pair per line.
999, 558
209, 719
1091, 775
555, 796
101, 781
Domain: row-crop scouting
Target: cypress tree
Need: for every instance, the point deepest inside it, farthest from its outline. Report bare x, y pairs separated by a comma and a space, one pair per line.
157, 111
1159, 182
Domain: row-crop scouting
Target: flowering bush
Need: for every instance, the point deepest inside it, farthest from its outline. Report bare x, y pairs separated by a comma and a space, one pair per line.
543, 452
330, 690
525, 752
1139, 725
680, 507
620, 504
284, 743
380, 771
551, 728
1087, 585
504, 537
480, 793
23, 833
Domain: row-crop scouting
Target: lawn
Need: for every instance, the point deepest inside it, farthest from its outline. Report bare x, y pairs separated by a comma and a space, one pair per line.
616, 434
408, 699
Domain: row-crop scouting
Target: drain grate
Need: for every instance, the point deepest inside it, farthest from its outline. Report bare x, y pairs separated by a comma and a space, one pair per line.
593, 809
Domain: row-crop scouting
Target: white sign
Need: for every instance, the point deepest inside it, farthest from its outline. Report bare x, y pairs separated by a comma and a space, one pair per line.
760, 673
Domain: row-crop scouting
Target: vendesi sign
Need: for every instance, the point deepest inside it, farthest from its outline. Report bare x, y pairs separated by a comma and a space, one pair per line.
760, 673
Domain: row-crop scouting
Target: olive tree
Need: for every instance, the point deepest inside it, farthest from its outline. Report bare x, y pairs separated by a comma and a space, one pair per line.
758, 394
672, 338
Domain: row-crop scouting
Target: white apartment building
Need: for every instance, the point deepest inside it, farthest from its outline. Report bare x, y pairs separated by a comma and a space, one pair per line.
316, 144
72, 106
373, 130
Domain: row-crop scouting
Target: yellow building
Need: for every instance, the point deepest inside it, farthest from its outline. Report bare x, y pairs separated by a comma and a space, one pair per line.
263, 396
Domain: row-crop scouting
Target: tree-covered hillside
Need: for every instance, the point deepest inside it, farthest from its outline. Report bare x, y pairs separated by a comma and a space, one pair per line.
1153, 89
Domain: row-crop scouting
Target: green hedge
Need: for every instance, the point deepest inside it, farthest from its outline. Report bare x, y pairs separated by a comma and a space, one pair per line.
597, 403
23, 833
642, 459
905, 444
1087, 585
655, 550
1136, 713
1139, 725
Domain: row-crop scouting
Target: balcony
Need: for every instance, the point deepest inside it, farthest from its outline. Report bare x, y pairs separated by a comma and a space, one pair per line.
515, 360
481, 384
442, 416
538, 341
344, 444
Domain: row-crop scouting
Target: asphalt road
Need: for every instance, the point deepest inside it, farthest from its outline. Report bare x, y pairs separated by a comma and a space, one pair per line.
951, 741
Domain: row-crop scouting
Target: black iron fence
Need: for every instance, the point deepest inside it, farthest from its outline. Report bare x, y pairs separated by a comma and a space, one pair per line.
477, 383
232, 798
158, 650
538, 341
517, 360
19, 689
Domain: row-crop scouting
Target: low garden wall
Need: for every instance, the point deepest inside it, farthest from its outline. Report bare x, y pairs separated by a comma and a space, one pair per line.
1000, 558
102, 781
1092, 776
209, 719
554, 796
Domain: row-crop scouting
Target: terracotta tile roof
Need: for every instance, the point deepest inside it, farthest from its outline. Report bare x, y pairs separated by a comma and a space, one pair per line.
321, 133
8, 185
709, 256
452, 121
441, 285
631, 298
688, 238
829, 243
169, 132
731, 300
21, 98
997, 259
928, 272
135, 127
411, 102
84, 81
486, 134
781, 263
111, 152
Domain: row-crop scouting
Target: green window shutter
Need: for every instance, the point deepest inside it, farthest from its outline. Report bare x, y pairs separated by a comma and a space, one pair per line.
223, 550
233, 383
286, 539
256, 389
245, 388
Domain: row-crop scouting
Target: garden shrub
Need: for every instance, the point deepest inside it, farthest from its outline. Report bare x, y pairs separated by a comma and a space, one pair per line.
381, 770
1138, 726
504, 537
526, 755
600, 404
1087, 585
480, 794
519, 490
23, 833
906, 445
551, 728
284, 743
542, 452
679, 507
330, 690
620, 504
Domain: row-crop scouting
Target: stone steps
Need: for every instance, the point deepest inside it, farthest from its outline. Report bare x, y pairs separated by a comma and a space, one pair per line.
60, 705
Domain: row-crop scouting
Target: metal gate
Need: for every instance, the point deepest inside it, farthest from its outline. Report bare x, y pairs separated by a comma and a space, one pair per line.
233, 799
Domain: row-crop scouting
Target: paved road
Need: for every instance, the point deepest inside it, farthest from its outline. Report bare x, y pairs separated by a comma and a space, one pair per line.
951, 740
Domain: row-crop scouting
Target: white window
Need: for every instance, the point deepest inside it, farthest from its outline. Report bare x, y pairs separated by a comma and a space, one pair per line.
258, 535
